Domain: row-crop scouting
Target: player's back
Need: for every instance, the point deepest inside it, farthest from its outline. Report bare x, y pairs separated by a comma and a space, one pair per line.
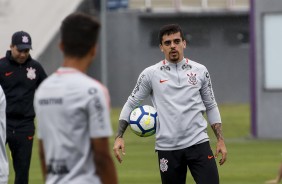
62, 108
4, 165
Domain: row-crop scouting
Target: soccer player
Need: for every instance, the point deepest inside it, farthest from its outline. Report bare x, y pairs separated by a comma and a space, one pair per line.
4, 165
73, 112
20, 77
181, 91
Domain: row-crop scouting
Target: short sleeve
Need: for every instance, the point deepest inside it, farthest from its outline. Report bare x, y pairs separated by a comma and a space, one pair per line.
99, 113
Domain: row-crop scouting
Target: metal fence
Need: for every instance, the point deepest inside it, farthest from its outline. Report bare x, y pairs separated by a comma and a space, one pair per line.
188, 4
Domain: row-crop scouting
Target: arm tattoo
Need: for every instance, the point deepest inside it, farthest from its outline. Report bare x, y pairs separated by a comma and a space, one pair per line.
121, 128
217, 129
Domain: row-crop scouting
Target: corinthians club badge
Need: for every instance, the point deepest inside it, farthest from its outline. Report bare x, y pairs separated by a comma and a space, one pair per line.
192, 78
31, 73
163, 164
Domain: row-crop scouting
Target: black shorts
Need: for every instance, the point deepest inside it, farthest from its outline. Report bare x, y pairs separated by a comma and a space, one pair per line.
200, 160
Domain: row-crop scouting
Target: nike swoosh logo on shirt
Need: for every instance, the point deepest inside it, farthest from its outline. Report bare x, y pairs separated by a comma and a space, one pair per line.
8, 74
162, 81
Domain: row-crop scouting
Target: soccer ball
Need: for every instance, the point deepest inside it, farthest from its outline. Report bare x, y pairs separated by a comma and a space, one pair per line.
143, 120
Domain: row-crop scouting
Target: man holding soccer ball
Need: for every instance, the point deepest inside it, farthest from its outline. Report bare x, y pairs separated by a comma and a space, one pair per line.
181, 91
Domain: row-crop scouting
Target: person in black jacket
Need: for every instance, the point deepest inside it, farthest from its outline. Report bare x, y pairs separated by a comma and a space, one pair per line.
20, 75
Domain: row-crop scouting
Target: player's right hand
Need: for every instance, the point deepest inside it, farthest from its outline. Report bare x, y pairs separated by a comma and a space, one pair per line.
119, 145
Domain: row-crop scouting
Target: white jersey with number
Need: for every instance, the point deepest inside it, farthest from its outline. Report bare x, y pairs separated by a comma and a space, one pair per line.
181, 94
71, 109
4, 165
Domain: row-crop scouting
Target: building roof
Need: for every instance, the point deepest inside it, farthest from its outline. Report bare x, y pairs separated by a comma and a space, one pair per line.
40, 18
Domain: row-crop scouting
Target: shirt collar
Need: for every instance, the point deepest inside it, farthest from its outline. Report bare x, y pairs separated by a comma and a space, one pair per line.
183, 61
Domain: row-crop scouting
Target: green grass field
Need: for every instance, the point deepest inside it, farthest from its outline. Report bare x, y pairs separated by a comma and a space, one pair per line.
249, 161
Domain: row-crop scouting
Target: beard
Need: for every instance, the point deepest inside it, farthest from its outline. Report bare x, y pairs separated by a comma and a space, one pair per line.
174, 56
20, 60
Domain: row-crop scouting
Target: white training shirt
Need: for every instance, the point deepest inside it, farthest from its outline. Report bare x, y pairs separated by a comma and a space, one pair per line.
71, 109
181, 94
4, 164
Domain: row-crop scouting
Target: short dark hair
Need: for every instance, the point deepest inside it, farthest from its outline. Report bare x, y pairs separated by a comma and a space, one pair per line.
79, 32
170, 29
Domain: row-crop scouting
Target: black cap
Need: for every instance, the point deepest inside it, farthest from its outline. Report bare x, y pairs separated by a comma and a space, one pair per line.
22, 40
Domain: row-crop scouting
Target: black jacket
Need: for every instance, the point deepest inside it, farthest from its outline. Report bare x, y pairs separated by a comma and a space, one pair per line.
19, 82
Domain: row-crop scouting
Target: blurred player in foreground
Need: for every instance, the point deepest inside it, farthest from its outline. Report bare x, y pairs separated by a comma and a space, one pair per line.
4, 164
181, 91
73, 112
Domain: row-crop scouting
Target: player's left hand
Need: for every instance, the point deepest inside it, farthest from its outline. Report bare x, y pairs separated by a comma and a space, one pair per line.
119, 146
221, 148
